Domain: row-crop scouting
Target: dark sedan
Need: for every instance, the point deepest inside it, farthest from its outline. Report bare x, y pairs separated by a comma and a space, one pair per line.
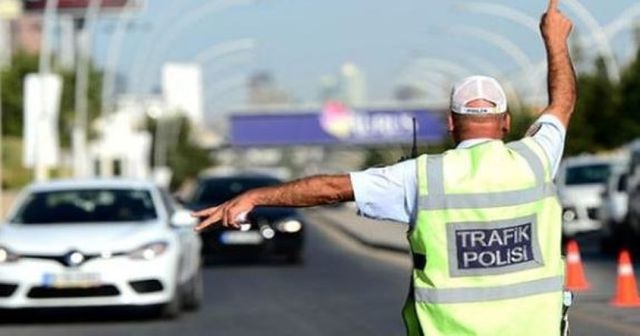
270, 231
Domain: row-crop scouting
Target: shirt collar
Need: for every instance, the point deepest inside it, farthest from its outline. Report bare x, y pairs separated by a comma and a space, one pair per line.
472, 142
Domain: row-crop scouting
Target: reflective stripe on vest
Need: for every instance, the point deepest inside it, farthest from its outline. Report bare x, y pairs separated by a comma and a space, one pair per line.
436, 199
487, 200
481, 294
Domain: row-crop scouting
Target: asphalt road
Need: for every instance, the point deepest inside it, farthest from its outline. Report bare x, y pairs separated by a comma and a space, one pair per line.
342, 288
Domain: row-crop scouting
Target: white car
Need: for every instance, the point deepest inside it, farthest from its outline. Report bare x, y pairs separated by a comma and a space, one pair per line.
581, 181
99, 243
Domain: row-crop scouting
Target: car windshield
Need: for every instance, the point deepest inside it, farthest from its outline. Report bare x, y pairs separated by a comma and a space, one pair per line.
219, 190
86, 206
588, 174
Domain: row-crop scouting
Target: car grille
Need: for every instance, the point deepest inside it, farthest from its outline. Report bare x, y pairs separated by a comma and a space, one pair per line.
7, 290
146, 286
74, 292
592, 213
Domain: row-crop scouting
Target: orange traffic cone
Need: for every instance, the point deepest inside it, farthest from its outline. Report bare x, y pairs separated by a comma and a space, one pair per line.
627, 292
575, 279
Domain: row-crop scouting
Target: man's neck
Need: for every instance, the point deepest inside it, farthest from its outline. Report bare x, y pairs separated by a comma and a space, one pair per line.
475, 137
472, 142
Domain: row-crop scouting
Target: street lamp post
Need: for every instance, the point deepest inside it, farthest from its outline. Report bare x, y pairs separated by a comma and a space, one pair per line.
84, 27
506, 45
172, 32
111, 64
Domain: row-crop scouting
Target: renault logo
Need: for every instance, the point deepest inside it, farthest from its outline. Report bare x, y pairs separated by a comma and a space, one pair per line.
74, 258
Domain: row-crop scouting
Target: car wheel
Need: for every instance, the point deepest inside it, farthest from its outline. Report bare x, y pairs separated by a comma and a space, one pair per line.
173, 308
194, 292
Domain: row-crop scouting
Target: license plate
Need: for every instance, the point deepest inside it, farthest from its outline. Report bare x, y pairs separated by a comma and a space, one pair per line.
241, 238
71, 279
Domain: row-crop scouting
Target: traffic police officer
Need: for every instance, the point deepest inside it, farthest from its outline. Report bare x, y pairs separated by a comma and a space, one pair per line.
484, 219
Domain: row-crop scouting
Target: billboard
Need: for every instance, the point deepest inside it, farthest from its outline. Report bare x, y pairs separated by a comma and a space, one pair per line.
336, 124
41, 109
79, 6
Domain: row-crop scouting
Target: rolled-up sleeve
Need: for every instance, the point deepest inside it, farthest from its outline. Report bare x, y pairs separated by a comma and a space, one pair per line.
386, 193
549, 132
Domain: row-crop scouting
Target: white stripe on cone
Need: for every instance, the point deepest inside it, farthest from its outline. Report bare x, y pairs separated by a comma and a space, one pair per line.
625, 269
573, 258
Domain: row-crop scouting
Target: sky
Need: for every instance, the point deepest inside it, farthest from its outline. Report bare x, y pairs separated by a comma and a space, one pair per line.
299, 41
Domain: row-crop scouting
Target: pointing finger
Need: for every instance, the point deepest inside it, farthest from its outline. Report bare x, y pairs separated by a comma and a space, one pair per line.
204, 212
213, 218
205, 224
553, 5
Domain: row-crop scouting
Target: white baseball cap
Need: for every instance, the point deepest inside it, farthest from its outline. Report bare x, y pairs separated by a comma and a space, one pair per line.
474, 88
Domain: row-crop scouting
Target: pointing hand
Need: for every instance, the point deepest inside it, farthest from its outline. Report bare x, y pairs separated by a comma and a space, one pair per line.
555, 26
230, 214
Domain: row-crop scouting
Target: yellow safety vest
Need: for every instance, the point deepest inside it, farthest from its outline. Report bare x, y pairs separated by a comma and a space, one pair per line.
486, 243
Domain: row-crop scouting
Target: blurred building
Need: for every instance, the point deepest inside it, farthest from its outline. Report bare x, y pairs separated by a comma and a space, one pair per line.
353, 85
264, 91
329, 88
182, 90
26, 32
407, 93
123, 147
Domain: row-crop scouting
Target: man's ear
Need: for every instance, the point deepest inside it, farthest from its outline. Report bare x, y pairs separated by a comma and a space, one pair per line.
450, 126
506, 124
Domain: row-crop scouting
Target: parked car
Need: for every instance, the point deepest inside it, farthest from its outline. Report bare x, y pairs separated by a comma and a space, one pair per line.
633, 189
581, 181
270, 231
99, 243
613, 210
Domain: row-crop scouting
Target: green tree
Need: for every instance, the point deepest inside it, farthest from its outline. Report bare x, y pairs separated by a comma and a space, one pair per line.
628, 126
12, 88
13, 93
12, 97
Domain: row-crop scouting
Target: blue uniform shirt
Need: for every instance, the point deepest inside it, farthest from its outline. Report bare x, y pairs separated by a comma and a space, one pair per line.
391, 192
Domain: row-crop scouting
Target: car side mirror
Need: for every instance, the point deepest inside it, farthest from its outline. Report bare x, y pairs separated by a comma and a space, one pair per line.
183, 218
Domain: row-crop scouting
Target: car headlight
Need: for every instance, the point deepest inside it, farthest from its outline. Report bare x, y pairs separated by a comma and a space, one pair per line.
568, 215
149, 251
289, 226
6, 256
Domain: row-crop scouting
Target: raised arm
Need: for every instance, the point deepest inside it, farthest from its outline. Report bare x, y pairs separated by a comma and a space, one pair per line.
561, 80
306, 192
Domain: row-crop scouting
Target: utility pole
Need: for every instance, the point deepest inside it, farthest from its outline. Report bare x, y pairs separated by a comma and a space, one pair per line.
1, 151
84, 32
50, 13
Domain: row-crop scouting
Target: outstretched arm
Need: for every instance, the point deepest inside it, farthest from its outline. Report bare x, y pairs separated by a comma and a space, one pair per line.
561, 80
306, 192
